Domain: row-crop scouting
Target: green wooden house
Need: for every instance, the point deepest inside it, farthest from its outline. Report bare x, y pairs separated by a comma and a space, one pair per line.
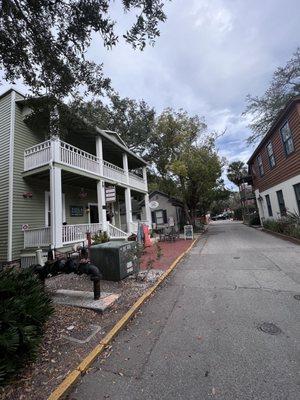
55, 189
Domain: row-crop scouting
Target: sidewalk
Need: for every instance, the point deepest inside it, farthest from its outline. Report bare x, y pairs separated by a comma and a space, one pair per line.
200, 336
170, 251
59, 353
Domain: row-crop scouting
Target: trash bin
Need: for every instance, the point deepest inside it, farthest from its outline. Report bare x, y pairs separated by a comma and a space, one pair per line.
116, 259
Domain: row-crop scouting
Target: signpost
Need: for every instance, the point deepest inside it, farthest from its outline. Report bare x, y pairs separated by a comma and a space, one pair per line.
188, 232
110, 194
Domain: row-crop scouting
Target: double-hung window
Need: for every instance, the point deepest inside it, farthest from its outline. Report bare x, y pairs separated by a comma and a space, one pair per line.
287, 139
297, 194
271, 156
281, 203
270, 212
260, 165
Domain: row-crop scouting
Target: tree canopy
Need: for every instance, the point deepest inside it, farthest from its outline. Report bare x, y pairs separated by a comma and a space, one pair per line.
185, 161
263, 110
131, 118
44, 42
236, 170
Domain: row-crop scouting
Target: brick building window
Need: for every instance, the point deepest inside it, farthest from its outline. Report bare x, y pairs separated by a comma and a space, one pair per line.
271, 156
297, 193
281, 203
287, 140
268, 200
260, 165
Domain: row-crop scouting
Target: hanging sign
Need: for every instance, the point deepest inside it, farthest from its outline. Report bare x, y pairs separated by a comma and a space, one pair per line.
188, 232
110, 194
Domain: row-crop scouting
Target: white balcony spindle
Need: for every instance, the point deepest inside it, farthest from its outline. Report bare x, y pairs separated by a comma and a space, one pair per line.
66, 154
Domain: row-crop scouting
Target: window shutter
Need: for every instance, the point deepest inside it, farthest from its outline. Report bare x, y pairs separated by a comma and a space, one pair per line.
165, 216
153, 216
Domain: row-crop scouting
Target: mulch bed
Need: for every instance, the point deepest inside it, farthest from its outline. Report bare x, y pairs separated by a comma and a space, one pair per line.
58, 355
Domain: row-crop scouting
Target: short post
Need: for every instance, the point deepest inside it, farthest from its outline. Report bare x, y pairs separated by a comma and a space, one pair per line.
97, 289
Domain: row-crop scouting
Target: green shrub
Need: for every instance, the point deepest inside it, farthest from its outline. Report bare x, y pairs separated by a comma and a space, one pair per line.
287, 226
101, 237
24, 309
238, 213
254, 219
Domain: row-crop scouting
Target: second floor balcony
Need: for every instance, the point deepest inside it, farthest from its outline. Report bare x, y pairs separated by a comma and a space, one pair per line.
67, 155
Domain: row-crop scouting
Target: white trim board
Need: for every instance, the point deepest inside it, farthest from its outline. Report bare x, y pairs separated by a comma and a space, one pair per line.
11, 174
47, 206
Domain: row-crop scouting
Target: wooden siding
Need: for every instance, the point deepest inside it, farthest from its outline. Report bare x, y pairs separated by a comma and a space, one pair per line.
5, 114
286, 166
29, 211
72, 199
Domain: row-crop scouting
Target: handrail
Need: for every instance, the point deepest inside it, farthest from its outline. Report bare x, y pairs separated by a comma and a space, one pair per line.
113, 166
75, 149
46, 143
117, 232
135, 176
61, 152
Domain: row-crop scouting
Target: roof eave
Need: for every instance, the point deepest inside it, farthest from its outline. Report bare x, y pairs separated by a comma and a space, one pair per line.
278, 119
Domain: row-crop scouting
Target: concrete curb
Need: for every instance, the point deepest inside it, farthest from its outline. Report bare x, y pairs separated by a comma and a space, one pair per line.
282, 236
61, 391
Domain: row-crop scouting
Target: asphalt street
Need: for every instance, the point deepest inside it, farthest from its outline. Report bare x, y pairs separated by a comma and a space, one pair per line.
200, 336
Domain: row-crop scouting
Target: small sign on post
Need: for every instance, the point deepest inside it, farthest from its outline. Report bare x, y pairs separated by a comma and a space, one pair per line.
110, 194
188, 232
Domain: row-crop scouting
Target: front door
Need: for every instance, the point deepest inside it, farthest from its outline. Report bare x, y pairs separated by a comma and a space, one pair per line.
94, 215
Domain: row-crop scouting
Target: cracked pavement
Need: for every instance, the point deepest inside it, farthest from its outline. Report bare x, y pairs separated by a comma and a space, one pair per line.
198, 337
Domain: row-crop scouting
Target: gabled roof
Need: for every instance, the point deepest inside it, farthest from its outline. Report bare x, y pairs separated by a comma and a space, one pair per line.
9, 90
173, 200
111, 136
280, 116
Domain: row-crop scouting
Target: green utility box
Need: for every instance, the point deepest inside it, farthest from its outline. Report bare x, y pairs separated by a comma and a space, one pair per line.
116, 259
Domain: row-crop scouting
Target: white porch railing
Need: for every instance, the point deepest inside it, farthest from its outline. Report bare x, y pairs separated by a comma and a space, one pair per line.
37, 156
70, 234
76, 233
136, 181
116, 233
69, 155
37, 237
73, 156
113, 172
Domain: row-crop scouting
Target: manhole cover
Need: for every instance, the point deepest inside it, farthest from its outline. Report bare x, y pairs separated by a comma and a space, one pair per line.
236, 258
297, 296
270, 328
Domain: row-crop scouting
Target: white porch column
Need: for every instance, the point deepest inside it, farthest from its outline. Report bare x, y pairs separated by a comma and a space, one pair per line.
55, 149
102, 205
125, 167
56, 206
145, 178
99, 153
147, 210
128, 209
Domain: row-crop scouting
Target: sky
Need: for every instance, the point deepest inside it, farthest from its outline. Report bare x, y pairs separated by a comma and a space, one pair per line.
209, 56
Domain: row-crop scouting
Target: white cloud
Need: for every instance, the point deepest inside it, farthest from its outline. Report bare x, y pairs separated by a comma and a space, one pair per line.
210, 55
